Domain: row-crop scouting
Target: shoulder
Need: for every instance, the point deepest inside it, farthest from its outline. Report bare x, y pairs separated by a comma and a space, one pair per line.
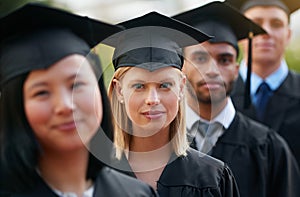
197, 173
195, 157
250, 129
117, 184
256, 134
290, 85
207, 171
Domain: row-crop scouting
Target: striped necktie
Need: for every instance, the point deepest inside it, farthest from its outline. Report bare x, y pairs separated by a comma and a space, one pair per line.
208, 131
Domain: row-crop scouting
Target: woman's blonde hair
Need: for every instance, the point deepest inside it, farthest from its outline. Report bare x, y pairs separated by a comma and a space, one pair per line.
121, 122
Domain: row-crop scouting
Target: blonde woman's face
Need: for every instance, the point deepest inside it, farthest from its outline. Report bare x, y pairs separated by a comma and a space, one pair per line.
63, 104
151, 99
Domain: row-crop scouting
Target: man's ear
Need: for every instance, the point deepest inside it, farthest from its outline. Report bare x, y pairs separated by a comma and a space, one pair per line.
118, 90
236, 71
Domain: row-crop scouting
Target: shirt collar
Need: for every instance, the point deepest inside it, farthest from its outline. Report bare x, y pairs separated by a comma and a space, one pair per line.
274, 80
191, 117
225, 117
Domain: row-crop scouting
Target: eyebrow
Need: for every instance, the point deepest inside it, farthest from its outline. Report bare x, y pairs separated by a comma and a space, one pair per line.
226, 54
199, 53
71, 77
143, 81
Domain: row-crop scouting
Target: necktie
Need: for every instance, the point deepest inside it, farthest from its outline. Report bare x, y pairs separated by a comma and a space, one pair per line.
263, 94
208, 131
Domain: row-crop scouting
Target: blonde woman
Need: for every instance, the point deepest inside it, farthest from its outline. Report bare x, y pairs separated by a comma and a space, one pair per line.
147, 98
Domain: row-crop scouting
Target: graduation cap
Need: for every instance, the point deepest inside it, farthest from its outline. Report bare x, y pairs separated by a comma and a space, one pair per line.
153, 41
289, 6
227, 25
35, 36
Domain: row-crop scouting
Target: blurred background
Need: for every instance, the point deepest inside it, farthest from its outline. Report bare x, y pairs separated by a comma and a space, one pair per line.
115, 11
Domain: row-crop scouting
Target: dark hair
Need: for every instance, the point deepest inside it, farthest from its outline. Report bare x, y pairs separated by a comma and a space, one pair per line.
19, 148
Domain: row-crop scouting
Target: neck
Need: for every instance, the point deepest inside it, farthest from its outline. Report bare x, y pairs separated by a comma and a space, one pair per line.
265, 68
65, 172
153, 142
208, 111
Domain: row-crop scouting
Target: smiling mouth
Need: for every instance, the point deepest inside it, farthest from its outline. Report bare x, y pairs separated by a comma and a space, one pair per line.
69, 126
265, 45
153, 114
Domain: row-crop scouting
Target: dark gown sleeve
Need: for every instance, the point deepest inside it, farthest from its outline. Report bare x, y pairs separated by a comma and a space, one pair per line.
197, 175
285, 174
228, 184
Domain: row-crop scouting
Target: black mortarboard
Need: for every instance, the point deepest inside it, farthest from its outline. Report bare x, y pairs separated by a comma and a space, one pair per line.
153, 41
289, 6
226, 24
35, 36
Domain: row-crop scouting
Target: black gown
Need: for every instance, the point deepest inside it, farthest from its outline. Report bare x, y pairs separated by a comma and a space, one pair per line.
259, 158
282, 111
109, 183
194, 175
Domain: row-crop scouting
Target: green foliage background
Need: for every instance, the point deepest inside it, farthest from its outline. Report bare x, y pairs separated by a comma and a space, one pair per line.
293, 56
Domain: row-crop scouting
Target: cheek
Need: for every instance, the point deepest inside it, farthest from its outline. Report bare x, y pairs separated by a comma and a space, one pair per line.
132, 103
37, 113
171, 103
90, 104
98, 106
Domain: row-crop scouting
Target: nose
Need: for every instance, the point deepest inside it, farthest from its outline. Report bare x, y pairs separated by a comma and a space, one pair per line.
267, 27
212, 69
63, 102
152, 97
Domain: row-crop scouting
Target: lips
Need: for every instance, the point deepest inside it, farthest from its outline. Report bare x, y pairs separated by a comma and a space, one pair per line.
153, 114
265, 45
211, 84
66, 126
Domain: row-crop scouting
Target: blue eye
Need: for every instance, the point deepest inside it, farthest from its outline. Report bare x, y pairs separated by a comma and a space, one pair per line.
138, 86
166, 85
76, 85
201, 58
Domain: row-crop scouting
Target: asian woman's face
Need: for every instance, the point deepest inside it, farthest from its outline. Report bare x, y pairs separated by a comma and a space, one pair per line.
151, 99
63, 104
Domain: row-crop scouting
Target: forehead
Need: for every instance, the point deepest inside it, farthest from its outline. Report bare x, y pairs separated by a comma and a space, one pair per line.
210, 48
268, 11
75, 65
140, 74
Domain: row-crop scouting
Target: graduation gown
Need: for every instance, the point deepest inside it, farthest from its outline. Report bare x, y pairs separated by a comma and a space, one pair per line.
259, 159
282, 111
109, 183
194, 175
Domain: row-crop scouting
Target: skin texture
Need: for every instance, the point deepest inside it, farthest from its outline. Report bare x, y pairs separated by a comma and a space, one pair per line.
268, 49
211, 70
150, 98
64, 108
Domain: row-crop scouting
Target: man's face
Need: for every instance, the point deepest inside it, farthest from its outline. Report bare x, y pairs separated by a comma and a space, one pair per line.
211, 69
269, 47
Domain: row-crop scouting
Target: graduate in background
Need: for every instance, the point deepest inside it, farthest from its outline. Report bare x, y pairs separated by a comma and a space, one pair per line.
274, 89
54, 108
259, 158
148, 102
